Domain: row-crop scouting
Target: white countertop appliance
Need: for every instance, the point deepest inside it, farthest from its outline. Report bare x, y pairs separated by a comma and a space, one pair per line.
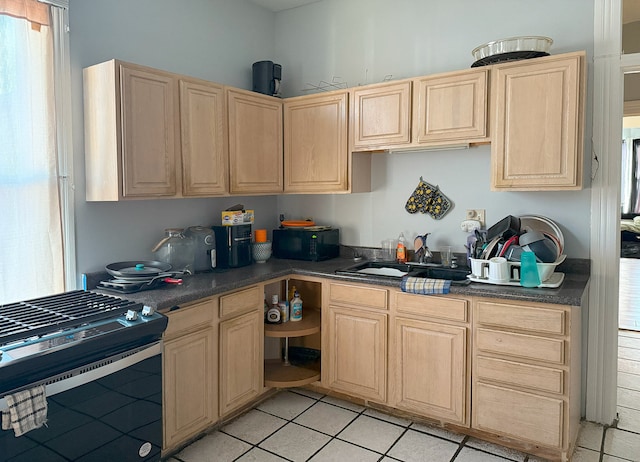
205, 247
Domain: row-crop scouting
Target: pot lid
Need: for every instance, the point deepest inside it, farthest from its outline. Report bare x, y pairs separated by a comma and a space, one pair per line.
141, 269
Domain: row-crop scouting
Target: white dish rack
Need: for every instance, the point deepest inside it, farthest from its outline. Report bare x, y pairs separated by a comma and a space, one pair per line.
553, 282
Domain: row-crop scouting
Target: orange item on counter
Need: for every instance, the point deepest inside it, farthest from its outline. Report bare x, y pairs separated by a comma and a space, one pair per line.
261, 235
297, 223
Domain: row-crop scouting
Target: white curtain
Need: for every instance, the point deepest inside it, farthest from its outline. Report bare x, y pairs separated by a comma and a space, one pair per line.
31, 245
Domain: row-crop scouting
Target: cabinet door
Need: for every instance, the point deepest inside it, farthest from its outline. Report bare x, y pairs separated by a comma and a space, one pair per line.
536, 140
149, 132
190, 386
204, 166
241, 360
255, 142
382, 116
431, 363
315, 143
450, 107
358, 353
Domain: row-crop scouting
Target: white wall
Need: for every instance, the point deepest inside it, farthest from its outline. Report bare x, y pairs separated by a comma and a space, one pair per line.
217, 40
362, 41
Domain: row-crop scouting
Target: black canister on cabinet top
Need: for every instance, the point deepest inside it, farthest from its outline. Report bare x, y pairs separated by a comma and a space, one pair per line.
267, 77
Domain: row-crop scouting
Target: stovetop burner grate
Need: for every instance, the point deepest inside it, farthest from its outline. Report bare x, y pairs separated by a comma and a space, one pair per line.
44, 315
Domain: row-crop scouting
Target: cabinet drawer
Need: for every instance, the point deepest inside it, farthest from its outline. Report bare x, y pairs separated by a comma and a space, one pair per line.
524, 416
342, 294
524, 346
190, 318
240, 302
437, 307
528, 318
525, 375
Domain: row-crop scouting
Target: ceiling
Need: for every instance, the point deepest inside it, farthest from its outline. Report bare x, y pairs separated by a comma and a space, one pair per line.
630, 8
279, 5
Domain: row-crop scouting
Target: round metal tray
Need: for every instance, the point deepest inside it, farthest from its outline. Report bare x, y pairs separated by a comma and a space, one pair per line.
511, 56
511, 49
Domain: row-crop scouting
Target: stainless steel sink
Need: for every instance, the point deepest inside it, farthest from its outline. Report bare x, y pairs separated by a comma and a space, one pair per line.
397, 271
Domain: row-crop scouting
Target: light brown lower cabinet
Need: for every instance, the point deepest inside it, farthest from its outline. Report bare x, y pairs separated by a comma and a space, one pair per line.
507, 371
429, 356
354, 331
241, 360
431, 374
358, 349
526, 374
190, 373
519, 414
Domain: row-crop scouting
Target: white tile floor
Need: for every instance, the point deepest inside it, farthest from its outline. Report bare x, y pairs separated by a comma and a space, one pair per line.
300, 425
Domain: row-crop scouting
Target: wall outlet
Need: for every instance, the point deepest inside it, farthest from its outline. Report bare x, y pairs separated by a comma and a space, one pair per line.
476, 214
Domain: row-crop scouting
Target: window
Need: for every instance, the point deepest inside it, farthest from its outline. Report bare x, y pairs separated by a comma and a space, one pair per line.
36, 253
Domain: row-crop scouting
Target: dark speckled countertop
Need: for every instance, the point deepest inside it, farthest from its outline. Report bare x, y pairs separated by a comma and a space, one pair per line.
204, 285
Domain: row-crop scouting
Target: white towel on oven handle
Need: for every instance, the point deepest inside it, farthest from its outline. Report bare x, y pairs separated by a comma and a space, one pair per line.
27, 410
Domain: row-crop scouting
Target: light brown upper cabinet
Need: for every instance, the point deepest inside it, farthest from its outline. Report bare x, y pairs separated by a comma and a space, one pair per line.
381, 116
538, 123
315, 143
426, 111
202, 130
450, 108
255, 143
152, 134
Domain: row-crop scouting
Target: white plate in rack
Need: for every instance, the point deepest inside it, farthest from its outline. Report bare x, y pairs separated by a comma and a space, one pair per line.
554, 281
544, 225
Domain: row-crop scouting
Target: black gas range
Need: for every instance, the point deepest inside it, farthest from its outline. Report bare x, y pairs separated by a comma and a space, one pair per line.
99, 359
45, 336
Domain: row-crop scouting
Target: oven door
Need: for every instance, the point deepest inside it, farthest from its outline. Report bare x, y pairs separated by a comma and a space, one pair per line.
110, 410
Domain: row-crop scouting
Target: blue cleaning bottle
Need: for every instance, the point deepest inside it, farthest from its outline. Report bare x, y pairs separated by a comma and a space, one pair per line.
529, 276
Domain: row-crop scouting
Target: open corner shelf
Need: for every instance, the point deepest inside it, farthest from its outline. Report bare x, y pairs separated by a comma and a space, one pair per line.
280, 374
309, 324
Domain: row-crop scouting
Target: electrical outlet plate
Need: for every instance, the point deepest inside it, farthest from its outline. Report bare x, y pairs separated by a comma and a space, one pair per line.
476, 214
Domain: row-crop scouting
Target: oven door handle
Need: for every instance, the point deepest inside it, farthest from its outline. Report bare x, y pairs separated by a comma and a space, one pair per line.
90, 372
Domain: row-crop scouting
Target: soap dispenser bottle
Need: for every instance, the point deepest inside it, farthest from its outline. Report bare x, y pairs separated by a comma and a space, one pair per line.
401, 250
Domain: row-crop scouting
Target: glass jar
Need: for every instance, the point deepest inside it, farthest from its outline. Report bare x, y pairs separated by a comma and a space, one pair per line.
176, 249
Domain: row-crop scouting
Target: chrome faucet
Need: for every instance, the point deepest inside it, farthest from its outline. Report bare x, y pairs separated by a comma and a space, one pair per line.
425, 254
356, 255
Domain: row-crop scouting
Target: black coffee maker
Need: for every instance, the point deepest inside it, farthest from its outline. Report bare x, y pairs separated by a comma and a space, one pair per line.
233, 246
266, 77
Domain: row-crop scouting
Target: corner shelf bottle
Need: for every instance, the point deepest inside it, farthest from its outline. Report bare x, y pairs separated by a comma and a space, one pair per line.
281, 373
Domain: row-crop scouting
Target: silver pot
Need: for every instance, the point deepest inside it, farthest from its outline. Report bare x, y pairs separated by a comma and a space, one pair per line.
205, 247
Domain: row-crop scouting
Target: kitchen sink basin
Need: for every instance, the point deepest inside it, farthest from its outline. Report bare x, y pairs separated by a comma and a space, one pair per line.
458, 274
397, 271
